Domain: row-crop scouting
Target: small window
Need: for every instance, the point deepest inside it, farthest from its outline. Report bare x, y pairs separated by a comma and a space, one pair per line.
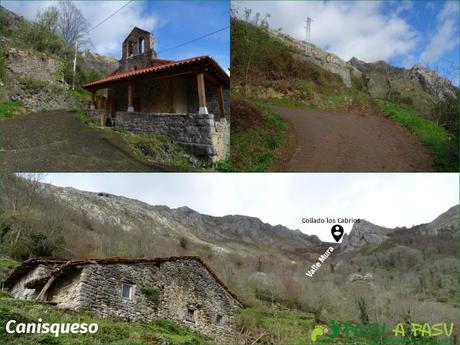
141, 45
218, 319
130, 48
127, 291
190, 316
135, 68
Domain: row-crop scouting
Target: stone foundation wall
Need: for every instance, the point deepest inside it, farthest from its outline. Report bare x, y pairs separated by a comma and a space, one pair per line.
182, 285
199, 134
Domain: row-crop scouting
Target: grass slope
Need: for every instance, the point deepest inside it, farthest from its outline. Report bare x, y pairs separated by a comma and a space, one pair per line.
277, 324
442, 145
258, 134
109, 332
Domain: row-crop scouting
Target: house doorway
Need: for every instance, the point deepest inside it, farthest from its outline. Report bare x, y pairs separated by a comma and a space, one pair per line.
137, 104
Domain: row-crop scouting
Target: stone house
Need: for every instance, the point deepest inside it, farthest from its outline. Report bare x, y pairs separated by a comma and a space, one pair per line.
182, 289
186, 100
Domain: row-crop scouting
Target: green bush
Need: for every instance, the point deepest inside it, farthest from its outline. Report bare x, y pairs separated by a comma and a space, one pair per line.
8, 108
39, 245
152, 294
82, 116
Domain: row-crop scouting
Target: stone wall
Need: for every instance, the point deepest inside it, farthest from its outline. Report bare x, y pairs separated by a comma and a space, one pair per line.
182, 285
36, 80
20, 291
199, 134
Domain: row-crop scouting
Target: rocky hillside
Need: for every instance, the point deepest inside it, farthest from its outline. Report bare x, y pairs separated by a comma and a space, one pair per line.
36, 66
417, 84
100, 63
229, 233
234, 232
365, 233
327, 61
417, 87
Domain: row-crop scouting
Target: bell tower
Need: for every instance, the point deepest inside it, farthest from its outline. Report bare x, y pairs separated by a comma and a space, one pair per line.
137, 51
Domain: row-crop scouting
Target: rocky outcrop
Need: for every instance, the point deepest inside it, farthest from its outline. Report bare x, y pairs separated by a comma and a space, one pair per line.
417, 87
325, 60
363, 233
37, 80
432, 82
100, 63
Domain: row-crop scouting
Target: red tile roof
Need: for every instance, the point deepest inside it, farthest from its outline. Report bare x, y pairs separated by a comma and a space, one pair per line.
203, 60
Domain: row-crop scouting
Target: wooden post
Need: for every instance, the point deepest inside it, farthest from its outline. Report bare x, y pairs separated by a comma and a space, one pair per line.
93, 100
130, 98
201, 94
221, 102
45, 288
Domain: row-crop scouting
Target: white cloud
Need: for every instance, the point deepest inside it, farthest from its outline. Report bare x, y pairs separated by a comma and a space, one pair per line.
445, 37
385, 199
345, 28
404, 6
108, 37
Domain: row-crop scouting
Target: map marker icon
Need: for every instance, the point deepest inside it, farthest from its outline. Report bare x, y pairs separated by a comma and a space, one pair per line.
337, 232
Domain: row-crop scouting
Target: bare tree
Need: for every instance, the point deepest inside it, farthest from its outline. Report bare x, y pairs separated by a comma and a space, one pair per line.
445, 102
48, 19
72, 25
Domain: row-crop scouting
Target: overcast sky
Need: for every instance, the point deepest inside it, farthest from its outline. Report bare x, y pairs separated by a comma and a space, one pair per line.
171, 22
403, 33
385, 199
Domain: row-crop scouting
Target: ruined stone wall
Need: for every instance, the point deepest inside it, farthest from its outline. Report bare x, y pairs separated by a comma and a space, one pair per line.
20, 291
181, 284
67, 292
199, 134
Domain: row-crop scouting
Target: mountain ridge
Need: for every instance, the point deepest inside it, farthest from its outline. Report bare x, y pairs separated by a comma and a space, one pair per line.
240, 229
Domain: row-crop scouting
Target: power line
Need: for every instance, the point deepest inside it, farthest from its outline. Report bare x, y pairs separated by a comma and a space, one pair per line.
106, 19
194, 40
87, 32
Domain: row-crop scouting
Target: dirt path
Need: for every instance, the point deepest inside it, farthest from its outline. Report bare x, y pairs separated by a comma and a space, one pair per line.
56, 141
338, 141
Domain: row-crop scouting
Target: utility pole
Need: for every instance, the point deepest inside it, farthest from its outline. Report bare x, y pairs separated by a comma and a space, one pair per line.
74, 64
307, 36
